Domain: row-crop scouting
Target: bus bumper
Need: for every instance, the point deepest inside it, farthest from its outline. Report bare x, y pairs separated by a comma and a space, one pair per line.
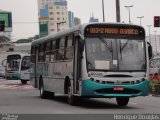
15, 76
94, 89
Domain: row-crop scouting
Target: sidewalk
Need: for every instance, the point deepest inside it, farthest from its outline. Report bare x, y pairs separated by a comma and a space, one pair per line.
4, 81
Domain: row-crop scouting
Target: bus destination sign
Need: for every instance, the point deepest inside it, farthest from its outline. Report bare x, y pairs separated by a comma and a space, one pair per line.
113, 30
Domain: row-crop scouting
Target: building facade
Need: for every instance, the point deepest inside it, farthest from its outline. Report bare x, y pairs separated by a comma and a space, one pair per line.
53, 16
70, 19
7, 18
77, 21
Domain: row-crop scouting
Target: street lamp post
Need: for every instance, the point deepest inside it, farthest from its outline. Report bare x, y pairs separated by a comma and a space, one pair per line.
155, 41
140, 19
149, 26
129, 12
103, 10
58, 23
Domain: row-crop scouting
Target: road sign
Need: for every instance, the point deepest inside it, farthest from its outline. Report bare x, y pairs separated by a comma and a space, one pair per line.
156, 21
2, 25
7, 18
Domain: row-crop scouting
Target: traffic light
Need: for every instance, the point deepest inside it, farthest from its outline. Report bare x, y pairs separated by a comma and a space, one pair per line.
156, 21
2, 25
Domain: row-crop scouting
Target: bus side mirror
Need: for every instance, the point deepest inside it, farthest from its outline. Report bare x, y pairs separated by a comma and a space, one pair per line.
149, 50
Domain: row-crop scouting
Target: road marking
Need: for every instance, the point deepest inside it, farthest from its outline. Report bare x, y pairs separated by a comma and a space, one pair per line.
133, 103
16, 86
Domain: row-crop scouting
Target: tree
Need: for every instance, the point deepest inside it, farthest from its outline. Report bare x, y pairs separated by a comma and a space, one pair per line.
4, 39
28, 40
23, 41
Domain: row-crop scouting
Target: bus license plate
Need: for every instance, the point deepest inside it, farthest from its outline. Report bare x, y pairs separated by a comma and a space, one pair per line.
118, 88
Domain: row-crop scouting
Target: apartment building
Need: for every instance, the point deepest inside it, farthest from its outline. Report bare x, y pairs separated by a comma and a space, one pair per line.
53, 16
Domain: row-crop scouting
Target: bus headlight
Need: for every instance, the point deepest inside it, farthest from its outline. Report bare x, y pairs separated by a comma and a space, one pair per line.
92, 79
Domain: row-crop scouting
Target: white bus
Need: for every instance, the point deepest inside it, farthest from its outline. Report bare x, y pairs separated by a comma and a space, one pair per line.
93, 60
17, 67
23, 47
3, 57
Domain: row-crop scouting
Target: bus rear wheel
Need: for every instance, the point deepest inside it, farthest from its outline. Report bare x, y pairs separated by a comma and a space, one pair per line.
43, 93
122, 101
71, 98
23, 81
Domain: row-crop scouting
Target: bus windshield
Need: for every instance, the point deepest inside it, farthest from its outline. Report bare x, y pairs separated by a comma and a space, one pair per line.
13, 62
115, 54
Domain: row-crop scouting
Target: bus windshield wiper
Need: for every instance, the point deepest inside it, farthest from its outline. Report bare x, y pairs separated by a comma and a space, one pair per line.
125, 44
107, 46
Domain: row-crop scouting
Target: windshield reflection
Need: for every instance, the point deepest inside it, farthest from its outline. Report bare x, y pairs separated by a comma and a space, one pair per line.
13, 62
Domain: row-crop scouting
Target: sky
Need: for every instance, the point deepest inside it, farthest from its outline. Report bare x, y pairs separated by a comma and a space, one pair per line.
25, 13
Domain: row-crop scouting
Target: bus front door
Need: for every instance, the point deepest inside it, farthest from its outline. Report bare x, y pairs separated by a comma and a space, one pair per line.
77, 64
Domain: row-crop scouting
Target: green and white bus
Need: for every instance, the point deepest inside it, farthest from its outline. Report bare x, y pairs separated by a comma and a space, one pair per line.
95, 60
18, 67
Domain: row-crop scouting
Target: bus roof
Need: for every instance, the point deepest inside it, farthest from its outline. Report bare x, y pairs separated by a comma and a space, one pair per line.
18, 53
79, 29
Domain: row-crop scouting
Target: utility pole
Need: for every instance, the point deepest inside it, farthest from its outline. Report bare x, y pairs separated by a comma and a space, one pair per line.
58, 23
140, 19
155, 41
149, 26
103, 10
129, 12
118, 11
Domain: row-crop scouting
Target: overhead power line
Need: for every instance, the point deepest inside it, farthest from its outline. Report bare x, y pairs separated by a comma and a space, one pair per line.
25, 22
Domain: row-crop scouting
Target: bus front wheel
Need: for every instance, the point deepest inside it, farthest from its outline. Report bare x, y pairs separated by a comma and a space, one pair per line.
122, 101
23, 81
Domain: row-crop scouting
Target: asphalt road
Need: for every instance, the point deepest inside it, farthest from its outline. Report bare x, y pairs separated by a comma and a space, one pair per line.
16, 98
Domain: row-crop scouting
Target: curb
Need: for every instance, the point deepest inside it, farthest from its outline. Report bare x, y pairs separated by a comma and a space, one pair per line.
155, 95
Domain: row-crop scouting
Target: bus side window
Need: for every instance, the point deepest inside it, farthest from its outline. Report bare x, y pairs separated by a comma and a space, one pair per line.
41, 54
48, 51
25, 63
33, 53
53, 50
60, 55
69, 48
